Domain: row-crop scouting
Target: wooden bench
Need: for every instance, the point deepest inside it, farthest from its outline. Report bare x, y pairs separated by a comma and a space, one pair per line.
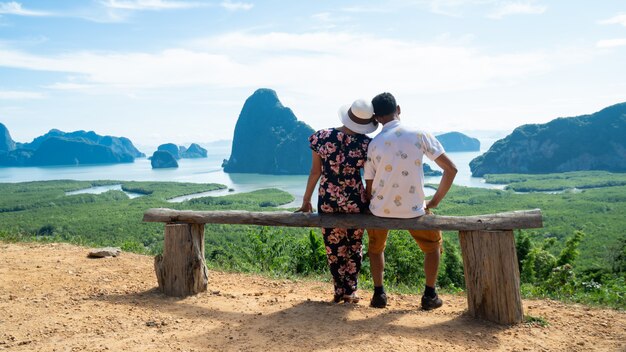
487, 245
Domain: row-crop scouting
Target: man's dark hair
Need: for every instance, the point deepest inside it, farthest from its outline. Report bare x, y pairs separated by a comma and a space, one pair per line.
384, 104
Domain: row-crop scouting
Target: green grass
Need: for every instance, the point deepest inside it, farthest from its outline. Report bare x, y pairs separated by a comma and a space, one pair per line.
167, 190
558, 182
598, 212
532, 320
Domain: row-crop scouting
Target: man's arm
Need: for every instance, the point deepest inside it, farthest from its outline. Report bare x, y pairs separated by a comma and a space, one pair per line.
449, 172
369, 172
368, 189
368, 194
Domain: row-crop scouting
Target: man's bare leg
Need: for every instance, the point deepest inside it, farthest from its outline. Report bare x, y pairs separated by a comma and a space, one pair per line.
430, 300
431, 267
377, 266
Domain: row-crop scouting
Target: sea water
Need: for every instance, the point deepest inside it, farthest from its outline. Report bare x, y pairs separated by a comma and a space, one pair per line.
209, 170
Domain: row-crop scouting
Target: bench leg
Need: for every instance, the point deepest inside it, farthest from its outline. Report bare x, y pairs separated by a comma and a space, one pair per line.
492, 276
181, 270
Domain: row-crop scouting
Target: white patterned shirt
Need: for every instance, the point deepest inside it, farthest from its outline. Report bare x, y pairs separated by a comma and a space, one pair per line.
394, 163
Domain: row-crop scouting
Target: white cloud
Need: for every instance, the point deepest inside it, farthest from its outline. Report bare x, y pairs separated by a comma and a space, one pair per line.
69, 86
19, 95
322, 16
618, 19
151, 4
495, 9
449, 7
235, 6
114, 10
313, 73
311, 63
516, 8
366, 9
611, 43
328, 21
15, 8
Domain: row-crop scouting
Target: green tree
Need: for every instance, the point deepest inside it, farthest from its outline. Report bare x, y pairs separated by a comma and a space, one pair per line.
522, 247
313, 256
570, 252
619, 263
452, 274
548, 243
544, 264
562, 280
528, 265
46, 230
404, 261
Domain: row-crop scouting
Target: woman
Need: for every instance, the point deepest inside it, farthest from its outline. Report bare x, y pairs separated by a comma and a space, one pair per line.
338, 156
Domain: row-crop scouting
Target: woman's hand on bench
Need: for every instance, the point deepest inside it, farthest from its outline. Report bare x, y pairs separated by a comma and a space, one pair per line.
306, 207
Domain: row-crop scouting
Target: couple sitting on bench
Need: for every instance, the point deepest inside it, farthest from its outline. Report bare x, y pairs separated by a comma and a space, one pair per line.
394, 178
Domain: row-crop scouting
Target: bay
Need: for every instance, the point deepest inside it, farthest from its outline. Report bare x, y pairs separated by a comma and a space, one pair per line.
209, 170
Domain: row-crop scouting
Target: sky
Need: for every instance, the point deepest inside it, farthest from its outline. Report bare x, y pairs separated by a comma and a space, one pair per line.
160, 71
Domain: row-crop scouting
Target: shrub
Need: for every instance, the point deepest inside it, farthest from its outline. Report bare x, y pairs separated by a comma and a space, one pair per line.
46, 230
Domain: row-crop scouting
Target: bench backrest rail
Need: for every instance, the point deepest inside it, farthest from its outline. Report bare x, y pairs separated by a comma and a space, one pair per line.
524, 219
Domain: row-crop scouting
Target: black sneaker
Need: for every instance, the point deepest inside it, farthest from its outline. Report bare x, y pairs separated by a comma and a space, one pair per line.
430, 303
337, 298
379, 301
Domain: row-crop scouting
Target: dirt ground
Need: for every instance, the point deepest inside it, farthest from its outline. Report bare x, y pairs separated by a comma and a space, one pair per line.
54, 298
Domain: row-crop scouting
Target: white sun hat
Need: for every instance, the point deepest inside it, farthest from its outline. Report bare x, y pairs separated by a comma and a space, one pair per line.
358, 116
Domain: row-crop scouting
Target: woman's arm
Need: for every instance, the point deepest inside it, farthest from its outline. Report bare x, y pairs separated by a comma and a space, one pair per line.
314, 176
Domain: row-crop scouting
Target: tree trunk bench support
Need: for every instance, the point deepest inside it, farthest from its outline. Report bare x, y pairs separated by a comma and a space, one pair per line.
487, 245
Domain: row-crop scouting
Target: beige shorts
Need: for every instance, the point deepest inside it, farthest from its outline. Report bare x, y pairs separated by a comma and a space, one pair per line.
428, 240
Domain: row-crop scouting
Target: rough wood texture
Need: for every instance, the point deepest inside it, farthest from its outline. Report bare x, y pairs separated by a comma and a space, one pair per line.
487, 245
181, 270
492, 276
525, 219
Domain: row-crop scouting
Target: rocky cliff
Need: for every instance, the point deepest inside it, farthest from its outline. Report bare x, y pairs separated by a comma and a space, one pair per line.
269, 139
64, 151
170, 148
194, 151
181, 152
458, 142
588, 142
428, 171
6, 142
120, 145
74, 148
162, 159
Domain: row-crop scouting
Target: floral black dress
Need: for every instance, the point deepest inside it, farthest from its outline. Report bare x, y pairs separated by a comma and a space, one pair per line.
341, 190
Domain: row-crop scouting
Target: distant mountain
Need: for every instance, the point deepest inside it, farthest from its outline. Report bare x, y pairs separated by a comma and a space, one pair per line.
64, 151
428, 171
194, 151
181, 152
121, 145
162, 159
170, 148
269, 139
588, 142
6, 142
61, 148
16, 157
458, 142
219, 143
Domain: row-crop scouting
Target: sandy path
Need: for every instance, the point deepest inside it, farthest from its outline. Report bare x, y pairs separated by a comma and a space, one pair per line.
53, 298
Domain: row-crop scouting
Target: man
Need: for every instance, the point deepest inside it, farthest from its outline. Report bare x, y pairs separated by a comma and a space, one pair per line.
394, 179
